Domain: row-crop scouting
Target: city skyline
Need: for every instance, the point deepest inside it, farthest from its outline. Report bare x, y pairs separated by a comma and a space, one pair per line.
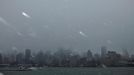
68, 58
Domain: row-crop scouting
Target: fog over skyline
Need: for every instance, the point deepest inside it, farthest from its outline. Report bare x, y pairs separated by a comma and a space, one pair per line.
75, 24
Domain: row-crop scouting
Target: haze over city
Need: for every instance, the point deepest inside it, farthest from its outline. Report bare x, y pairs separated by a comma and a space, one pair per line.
72, 24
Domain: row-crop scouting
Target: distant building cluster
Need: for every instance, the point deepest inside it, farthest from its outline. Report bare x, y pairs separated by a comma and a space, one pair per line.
68, 58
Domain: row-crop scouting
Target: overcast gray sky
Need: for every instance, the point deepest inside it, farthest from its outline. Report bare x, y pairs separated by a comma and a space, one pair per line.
76, 24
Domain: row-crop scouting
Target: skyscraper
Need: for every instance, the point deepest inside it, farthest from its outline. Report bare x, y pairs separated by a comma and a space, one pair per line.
103, 51
27, 56
19, 58
89, 55
1, 59
125, 54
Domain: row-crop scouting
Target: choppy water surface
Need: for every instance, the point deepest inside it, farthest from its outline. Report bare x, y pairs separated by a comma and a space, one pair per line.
75, 71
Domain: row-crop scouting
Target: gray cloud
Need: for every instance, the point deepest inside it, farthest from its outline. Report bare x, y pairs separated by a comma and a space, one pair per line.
57, 23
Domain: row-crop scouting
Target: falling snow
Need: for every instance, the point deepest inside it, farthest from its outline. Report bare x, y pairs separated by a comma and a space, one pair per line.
65, 22
10, 26
26, 15
4, 21
83, 34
